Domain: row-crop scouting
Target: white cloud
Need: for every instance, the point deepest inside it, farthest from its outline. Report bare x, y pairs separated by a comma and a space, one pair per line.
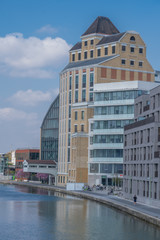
32, 98
32, 57
12, 114
48, 29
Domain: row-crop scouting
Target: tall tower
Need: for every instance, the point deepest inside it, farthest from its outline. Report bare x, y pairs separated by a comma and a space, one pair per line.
103, 55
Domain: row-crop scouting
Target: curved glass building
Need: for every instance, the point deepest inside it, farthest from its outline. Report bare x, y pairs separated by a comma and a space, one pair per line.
49, 133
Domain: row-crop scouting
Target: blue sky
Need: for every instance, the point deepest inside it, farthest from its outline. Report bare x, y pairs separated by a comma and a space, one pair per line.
35, 37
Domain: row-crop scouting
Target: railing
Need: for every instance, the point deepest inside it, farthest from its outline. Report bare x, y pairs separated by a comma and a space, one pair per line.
139, 123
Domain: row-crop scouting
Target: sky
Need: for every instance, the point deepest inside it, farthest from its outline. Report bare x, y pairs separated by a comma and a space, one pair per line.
35, 37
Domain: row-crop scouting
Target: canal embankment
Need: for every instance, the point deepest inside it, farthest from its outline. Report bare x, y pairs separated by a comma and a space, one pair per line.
146, 213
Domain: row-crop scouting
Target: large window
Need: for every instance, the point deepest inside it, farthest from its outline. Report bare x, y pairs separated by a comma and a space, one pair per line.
111, 124
91, 79
105, 168
108, 139
118, 168
70, 82
94, 168
76, 96
76, 82
83, 95
109, 96
108, 153
112, 110
84, 81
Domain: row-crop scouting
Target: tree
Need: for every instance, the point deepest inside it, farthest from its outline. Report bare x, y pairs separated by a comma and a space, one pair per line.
20, 174
42, 176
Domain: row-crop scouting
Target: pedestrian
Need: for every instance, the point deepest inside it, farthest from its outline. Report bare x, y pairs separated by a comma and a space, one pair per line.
135, 199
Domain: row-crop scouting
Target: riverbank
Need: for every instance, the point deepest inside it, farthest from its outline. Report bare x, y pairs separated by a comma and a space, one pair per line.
146, 213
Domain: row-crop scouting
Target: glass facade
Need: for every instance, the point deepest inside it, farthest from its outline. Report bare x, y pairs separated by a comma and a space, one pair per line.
111, 110
119, 95
111, 124
49, 133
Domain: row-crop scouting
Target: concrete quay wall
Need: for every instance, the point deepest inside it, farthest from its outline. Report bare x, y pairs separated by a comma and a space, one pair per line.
145, 217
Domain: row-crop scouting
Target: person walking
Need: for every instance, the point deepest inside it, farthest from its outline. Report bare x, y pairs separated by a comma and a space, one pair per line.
135, 199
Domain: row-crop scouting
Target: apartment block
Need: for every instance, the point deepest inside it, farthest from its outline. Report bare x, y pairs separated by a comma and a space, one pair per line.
142, 151
113, 109
103, 55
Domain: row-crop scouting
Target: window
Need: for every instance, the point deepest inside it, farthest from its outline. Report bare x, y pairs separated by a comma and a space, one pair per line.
91, 54
99, 52
70, 97
91, 79
113, 49
85, 55
85, 43
91, 96
76, 82
84, 81
79, 56
70, 82
76, 115
140, 50
82, 115
132, 62
82, 128
123, 48
140, 64
83, 95
76, 96
92, 41
106, 51
69, 111
69, 125
132, 38
75, 128
123, 61
132, 49
73, 57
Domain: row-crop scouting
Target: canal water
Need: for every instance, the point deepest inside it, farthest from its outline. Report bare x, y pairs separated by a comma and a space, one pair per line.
34, 214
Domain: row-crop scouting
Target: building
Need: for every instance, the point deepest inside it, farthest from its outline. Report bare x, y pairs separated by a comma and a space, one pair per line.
25, 154
113, 109
103, 55
3, 163
142, 151
49, 133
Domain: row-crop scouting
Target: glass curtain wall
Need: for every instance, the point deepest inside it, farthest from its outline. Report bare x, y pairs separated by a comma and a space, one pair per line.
49, 133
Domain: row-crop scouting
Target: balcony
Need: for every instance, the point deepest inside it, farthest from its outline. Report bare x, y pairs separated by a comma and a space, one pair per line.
139, 123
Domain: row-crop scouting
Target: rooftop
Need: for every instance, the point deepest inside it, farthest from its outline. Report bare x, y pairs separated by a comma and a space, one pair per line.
102, 25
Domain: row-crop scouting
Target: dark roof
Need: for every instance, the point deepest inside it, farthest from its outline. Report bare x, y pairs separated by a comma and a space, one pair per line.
48, 162
101, 25
78, 45
88, 62
112, 38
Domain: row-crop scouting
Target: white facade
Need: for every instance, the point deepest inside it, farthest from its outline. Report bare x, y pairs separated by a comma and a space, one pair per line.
113, 109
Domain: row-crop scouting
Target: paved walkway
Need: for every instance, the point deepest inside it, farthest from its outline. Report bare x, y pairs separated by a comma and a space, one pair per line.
149, 210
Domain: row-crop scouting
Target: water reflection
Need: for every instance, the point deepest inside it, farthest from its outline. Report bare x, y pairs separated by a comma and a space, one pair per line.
36, 214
